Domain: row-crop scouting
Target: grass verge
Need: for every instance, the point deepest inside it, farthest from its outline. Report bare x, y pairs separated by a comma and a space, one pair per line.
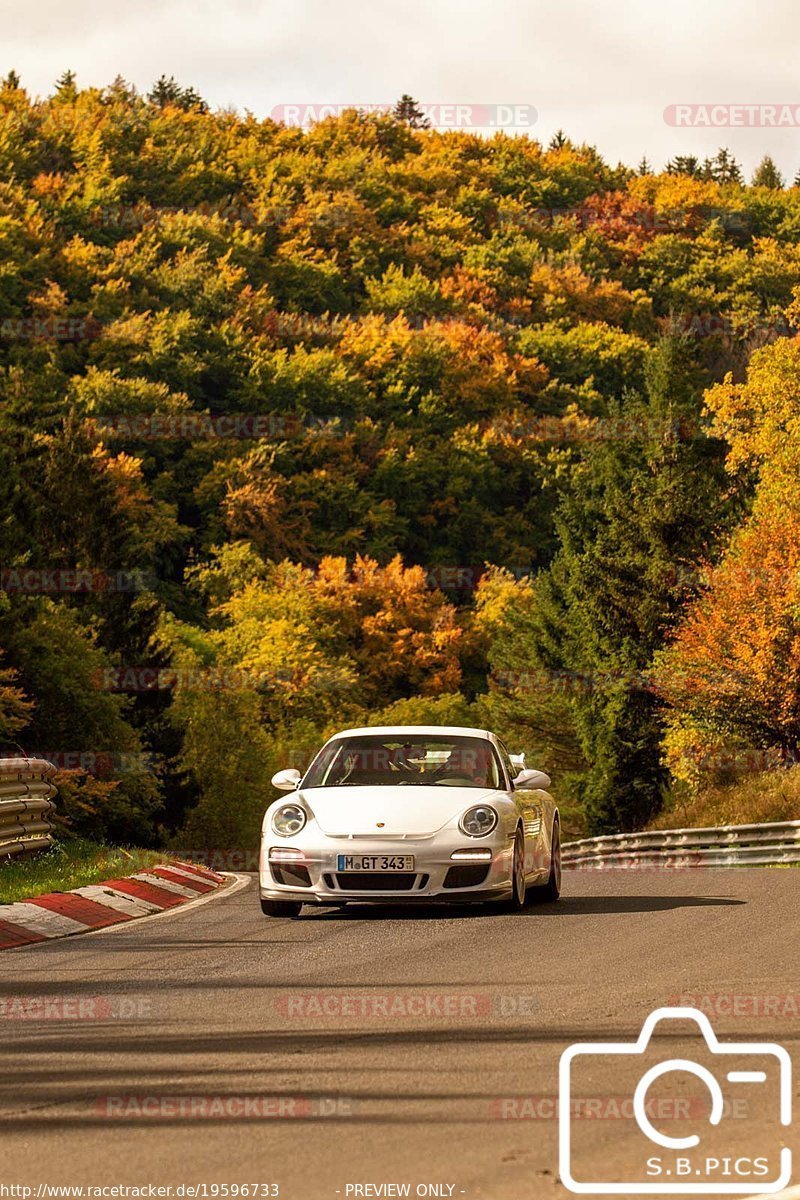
768, 796
70, 864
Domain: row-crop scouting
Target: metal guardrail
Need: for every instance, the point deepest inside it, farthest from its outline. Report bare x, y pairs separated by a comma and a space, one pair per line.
26, 789
726, 846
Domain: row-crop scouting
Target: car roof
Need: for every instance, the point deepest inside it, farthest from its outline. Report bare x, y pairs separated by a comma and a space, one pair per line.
414, 730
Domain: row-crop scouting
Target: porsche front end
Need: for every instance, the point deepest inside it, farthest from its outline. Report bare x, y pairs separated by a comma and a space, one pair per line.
324, 863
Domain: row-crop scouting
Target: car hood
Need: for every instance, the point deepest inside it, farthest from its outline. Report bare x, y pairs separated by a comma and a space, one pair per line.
409, 810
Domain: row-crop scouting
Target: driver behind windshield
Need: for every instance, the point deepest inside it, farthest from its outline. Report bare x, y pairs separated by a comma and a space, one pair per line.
467, 762
401, 759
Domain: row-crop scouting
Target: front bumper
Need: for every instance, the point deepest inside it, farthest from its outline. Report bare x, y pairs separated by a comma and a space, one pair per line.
436, 876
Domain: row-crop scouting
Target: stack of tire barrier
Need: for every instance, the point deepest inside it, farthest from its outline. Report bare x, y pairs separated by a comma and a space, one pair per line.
26, 808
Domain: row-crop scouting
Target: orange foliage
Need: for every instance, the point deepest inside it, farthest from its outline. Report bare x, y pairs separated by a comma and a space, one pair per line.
256, 507
404, 633
734, 664
735, 661
473, 366
567, 291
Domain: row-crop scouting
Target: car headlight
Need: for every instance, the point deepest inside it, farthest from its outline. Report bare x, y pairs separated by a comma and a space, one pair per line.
289, 819
478, 820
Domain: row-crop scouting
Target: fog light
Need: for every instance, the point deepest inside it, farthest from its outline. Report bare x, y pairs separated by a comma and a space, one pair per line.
283, 854
473, 855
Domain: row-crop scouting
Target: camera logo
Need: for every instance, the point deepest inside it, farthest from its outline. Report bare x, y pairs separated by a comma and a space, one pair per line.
727, 1103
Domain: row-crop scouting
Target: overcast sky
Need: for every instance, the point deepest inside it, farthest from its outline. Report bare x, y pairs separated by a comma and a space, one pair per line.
604, 72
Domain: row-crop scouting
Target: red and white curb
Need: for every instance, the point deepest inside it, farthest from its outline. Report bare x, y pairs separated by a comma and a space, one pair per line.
113, 902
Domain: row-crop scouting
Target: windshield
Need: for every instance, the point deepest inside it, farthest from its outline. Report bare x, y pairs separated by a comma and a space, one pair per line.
372, 761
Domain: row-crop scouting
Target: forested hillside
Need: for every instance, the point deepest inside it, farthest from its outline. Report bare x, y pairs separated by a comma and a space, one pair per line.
374, 423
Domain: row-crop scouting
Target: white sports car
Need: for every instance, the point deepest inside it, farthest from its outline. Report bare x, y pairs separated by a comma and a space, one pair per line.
410, 813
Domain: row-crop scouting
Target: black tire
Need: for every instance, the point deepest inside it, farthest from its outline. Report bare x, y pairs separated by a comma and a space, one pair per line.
281, 908
516, 901
549, 892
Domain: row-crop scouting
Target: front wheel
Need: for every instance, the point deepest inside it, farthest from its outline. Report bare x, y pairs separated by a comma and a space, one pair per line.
551, 890
516, 901
281, 908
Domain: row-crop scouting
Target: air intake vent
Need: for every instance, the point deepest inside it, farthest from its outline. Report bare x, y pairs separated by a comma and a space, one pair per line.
375, 881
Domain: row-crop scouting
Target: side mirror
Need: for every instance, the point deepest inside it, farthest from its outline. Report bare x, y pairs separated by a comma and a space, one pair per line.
529, 780
286, 781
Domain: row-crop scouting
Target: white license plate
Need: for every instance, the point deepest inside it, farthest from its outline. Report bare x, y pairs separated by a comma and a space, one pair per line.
375, 862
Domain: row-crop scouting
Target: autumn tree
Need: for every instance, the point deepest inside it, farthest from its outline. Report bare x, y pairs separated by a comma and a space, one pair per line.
641, 507
341, 635
293, 651
732, 671
15, 708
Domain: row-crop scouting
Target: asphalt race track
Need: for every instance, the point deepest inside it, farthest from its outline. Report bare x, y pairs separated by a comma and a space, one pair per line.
372, 1046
